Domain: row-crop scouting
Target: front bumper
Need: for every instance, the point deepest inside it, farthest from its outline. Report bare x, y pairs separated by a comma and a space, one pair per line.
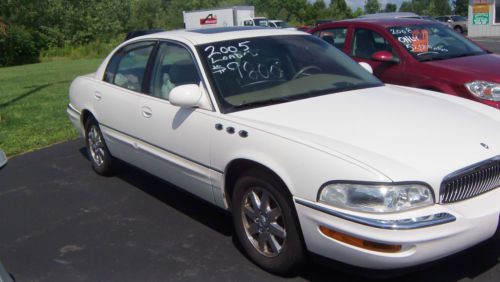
475, 220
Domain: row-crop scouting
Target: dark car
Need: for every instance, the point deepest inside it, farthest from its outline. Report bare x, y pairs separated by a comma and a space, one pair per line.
4, 275
419, 53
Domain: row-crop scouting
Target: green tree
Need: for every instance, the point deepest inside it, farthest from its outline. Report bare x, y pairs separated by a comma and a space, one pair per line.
340, 10
372, 6
358, 12
389, 7
461, 7
406, 6
439, 7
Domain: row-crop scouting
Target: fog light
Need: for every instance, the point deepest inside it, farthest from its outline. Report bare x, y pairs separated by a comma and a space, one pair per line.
360, 243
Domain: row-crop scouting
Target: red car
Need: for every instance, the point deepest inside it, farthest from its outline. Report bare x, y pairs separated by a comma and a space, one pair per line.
419, 53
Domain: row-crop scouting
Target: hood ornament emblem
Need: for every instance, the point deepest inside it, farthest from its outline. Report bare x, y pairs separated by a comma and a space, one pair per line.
485, 146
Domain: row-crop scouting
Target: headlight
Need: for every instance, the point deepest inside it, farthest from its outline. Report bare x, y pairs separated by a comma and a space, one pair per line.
484, 90
376, 198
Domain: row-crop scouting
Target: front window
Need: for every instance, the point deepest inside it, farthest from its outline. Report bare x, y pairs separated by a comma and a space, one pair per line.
434, 42
459, 18
174, 66
253, 72
261, 22
367, 42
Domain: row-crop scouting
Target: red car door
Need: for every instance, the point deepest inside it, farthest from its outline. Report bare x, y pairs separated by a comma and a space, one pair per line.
365, 42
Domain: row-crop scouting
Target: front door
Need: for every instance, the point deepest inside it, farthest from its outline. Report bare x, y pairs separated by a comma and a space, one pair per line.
367, 42
176, 139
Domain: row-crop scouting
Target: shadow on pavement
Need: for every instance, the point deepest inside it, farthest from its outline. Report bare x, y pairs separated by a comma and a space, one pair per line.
468, 264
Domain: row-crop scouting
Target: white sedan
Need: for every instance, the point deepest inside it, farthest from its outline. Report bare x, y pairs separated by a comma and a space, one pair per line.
306, 149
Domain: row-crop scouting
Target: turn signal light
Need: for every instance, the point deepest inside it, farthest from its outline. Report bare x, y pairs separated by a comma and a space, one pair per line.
360, 243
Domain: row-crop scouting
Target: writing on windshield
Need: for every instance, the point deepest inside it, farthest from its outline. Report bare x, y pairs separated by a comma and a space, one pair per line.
248, 64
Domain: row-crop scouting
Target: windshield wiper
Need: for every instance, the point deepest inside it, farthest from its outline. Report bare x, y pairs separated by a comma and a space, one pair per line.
433, 59
467, 54
262, 103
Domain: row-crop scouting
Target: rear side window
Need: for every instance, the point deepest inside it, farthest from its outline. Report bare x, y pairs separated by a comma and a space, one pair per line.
127, 67
334, 36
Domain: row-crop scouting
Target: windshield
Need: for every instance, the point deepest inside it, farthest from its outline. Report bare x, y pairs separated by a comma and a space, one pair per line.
434, 42
261, 22
260, 71
459, 18
281, 24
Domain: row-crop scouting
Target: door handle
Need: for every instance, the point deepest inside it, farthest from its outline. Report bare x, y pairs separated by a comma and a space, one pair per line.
98, 96
146, 112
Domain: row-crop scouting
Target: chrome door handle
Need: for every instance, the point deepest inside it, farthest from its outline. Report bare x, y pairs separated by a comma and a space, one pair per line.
98, 96
146, 112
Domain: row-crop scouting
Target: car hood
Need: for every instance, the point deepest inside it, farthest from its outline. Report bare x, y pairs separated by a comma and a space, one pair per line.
404, 133
483, 67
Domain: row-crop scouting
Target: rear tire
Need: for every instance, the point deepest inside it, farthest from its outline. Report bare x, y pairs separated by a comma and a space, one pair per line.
266, 223
99, 155
458, 29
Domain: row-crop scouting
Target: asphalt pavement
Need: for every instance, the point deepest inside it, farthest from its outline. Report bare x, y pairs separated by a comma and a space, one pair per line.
490, 43
59, 221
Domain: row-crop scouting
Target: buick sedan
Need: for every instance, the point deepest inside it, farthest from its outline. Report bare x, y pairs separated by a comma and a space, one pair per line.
305, 148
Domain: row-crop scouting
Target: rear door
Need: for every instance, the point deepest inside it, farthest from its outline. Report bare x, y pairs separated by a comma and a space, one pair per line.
117, 96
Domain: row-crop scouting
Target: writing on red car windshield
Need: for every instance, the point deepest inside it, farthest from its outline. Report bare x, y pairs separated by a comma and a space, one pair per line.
418, 40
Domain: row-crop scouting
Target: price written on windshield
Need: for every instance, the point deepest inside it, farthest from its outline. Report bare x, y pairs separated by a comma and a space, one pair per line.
234, 58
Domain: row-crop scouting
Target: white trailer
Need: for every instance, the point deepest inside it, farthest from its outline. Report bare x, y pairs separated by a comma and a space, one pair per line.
233, 16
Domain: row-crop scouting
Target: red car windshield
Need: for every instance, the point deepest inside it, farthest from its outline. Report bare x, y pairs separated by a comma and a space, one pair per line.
434, 42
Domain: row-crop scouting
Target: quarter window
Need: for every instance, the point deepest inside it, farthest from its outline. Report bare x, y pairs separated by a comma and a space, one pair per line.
334, 36
174, 66
127, 67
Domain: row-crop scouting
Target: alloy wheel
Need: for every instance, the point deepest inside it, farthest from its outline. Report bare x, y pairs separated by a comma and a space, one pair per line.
263, 222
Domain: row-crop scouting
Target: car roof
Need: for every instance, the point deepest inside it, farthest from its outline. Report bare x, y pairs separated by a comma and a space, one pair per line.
208, 35
389, 15
383, 22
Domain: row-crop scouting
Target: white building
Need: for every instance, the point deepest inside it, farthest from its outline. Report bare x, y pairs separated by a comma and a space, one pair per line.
484, 18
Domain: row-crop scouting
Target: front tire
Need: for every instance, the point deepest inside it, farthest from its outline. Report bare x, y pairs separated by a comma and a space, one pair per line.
266, 224
99, 155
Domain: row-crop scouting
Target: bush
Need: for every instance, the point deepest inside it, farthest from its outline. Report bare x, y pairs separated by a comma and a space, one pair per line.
18, 47
91, 50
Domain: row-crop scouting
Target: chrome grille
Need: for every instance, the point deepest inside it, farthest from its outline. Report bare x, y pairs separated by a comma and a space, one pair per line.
471, 181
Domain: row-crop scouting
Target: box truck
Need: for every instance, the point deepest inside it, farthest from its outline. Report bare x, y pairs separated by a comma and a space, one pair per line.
233, 16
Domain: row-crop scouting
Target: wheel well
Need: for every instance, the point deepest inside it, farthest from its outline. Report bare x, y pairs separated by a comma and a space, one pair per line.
236, 168
85, 116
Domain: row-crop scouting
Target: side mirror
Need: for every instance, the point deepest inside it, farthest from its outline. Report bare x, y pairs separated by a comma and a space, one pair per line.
366, 66
384, 56
3, 159
186, 96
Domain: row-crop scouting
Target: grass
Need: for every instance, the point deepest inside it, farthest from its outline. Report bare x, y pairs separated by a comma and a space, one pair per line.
91, 50
33, 100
